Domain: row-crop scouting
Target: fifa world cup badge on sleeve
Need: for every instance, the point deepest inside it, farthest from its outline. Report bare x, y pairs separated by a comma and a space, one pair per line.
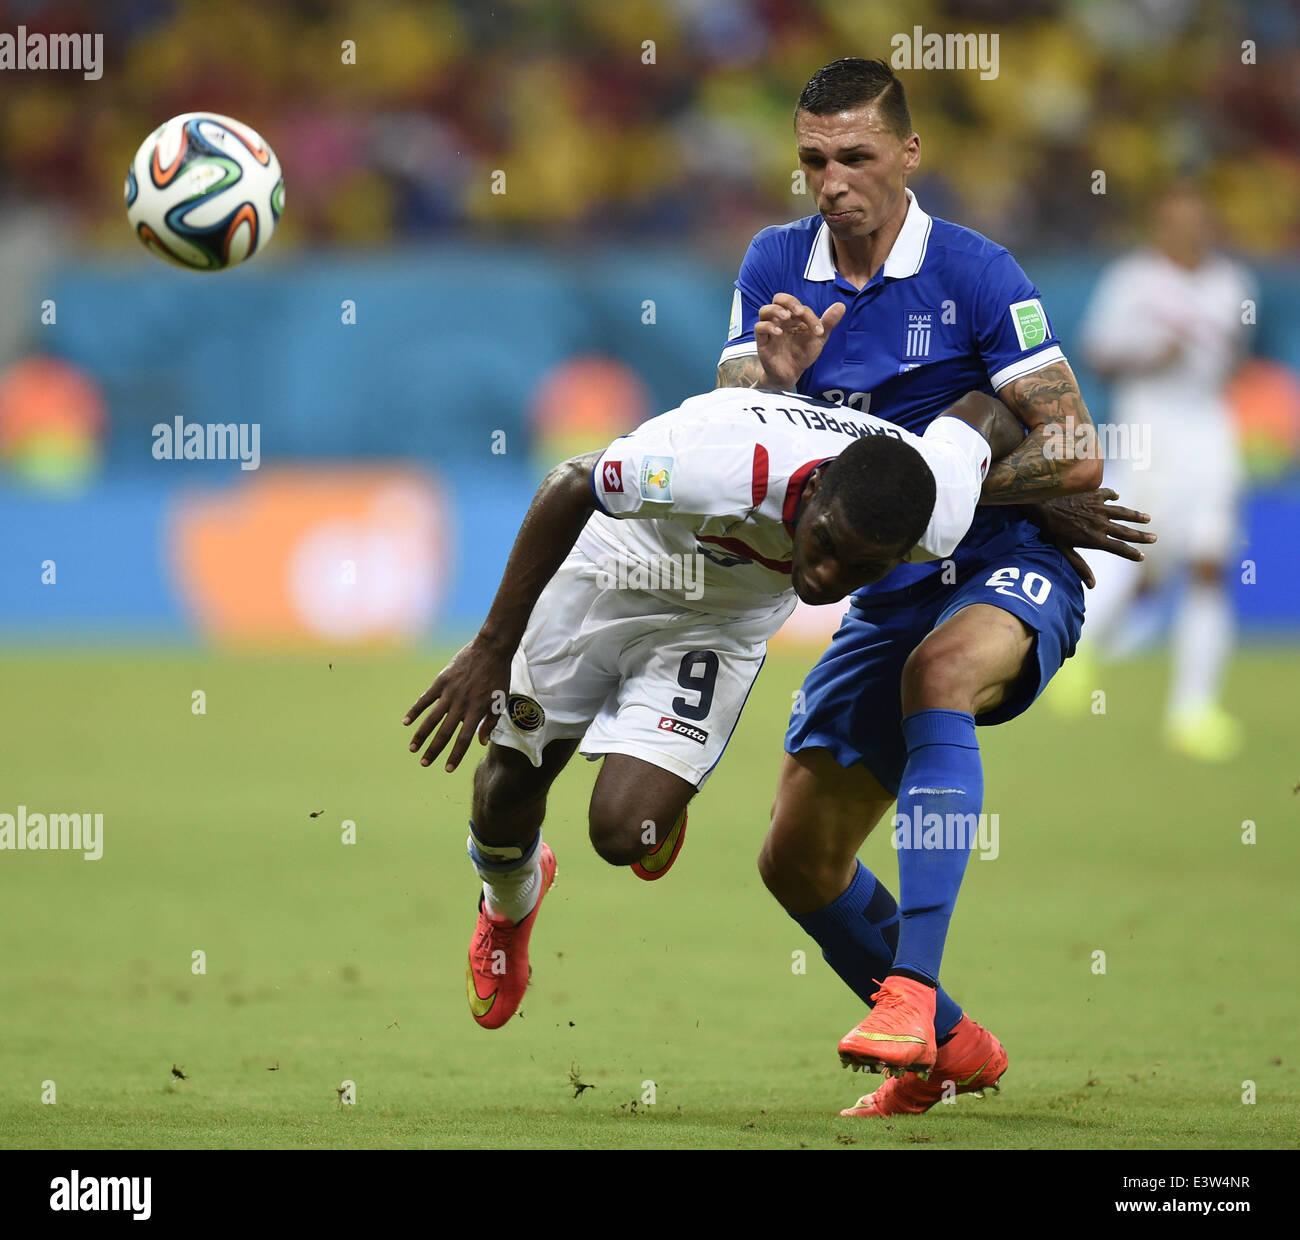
657, 478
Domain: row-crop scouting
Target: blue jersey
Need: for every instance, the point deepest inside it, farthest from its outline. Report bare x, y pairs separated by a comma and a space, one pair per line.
949, 311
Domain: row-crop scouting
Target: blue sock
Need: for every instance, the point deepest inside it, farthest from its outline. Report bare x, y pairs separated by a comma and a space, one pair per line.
858, 934
936, 823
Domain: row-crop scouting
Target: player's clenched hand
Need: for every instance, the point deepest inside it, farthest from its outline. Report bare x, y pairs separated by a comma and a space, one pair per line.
1092, 521
462, 696
790, 337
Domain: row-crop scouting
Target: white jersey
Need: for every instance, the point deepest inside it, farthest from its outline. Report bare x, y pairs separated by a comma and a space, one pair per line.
648, 639
716, 483
1144, 303
1177, 455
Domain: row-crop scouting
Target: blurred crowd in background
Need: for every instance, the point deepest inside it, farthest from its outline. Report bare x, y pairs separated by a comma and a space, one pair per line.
668, 118
640, 144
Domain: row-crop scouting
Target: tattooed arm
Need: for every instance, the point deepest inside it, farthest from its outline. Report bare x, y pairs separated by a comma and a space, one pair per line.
1059, 455
1057, 469
742, 372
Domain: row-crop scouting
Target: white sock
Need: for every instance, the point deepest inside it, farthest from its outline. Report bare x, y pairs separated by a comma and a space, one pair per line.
1203, 635
510, 893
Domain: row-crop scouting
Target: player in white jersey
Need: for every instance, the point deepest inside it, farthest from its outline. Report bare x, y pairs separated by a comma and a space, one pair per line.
635, 608
1165, 328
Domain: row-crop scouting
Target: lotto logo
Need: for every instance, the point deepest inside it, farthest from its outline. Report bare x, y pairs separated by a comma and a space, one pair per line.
668, 724
612, 477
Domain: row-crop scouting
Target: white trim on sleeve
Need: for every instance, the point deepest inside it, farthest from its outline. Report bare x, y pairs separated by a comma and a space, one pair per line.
746, 348
1026, 366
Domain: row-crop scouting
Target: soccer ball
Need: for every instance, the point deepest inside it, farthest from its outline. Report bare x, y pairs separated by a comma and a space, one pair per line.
204, 191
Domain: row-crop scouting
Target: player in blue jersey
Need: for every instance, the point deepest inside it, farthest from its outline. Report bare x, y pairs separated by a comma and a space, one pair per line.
875, 304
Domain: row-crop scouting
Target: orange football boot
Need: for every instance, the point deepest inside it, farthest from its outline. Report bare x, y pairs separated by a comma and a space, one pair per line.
659, 860
496, 974
971, 1061
897, 1035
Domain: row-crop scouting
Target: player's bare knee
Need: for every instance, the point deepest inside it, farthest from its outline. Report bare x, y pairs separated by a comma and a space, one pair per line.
769, 867
780, 859
623, 827
615, 833
798, 876
938, 676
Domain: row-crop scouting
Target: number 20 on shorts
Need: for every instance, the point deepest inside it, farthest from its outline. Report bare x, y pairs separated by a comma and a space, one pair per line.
1034, 586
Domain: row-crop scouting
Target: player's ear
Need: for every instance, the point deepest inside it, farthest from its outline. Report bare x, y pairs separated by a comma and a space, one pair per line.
911, 154
812, 485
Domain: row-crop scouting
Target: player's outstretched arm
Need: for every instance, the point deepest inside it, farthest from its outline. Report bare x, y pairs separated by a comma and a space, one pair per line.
462, 695
1058, 456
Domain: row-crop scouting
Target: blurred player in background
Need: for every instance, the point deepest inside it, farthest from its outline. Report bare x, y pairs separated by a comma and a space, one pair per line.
1165, 328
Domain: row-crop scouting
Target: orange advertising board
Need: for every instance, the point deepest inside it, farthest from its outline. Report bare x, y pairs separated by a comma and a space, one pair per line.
313, 555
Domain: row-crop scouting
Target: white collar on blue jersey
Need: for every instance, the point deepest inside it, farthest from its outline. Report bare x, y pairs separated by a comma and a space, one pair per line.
905, 257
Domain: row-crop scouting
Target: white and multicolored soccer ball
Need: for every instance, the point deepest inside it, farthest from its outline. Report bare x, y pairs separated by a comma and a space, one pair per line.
204, 191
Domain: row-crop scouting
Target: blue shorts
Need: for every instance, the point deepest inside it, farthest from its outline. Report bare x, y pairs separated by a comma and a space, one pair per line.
852, 698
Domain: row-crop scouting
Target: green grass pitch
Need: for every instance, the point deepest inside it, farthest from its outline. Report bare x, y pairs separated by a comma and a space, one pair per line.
329, 962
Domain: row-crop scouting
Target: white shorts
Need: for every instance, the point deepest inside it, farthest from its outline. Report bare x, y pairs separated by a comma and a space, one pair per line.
631, 673
1191, 487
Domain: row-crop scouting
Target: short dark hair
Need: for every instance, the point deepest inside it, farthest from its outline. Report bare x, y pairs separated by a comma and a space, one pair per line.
884, 488
852, 83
